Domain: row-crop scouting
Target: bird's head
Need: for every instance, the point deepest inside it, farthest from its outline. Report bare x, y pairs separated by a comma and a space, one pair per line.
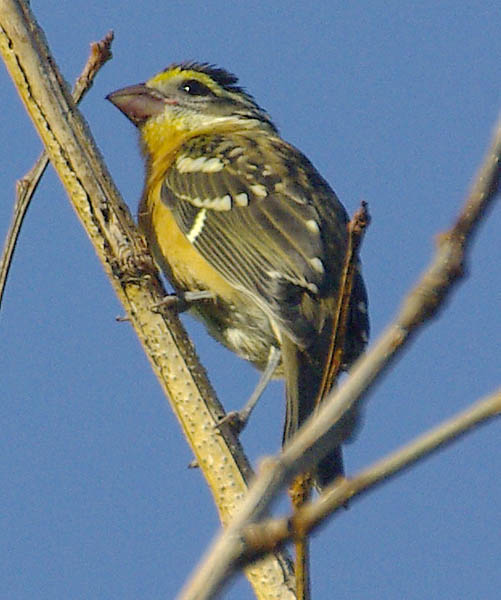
189, 99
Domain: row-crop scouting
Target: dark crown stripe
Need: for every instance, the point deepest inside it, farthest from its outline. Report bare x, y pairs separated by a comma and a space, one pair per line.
222, 77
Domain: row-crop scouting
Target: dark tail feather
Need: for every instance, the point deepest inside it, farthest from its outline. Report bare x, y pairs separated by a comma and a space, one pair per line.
330, 467
302, 384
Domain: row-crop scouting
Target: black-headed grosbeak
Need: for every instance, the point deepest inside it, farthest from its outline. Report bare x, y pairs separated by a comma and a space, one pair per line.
232, 209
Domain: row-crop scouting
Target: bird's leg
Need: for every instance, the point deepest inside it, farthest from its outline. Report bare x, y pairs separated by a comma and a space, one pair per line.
181, 301
237, 419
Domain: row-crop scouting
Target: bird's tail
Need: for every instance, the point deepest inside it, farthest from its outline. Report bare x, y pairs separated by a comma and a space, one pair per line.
303, 381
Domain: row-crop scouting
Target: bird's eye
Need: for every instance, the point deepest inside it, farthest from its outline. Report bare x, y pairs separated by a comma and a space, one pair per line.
195, 88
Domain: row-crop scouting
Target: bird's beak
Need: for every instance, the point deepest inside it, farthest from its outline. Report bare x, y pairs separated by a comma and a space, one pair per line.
138, 102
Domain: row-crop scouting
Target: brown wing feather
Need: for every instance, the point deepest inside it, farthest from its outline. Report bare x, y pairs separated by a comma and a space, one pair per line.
284, 243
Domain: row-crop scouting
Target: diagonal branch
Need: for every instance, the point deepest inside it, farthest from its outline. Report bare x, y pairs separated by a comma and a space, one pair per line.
268, 535
356, 231
121, 250
100, 53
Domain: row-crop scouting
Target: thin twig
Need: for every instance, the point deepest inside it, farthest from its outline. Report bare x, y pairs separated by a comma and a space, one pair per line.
299, 492
269, 535
356, 231
100, 53
301, 487
324, 430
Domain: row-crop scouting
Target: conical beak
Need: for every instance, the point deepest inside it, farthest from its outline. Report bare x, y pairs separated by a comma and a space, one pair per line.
138, 102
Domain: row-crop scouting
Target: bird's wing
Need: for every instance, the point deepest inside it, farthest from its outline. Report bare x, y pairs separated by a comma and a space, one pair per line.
261, 215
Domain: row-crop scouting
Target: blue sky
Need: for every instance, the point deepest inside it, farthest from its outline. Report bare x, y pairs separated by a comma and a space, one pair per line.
394, 102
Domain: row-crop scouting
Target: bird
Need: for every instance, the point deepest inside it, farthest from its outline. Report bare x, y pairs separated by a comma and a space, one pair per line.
234, 213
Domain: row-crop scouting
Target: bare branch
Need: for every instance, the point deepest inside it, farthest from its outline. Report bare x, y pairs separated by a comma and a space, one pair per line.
266, 536
356, 231
325, 430
122, 253
100, 53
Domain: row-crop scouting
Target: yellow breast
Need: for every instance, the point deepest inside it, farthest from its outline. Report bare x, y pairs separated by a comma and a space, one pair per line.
178, 258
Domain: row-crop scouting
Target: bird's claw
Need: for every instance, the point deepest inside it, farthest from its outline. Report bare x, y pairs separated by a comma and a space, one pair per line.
235, 420
181, 301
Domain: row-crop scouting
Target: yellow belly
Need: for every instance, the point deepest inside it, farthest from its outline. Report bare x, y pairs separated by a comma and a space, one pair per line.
233, 318
178, 258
